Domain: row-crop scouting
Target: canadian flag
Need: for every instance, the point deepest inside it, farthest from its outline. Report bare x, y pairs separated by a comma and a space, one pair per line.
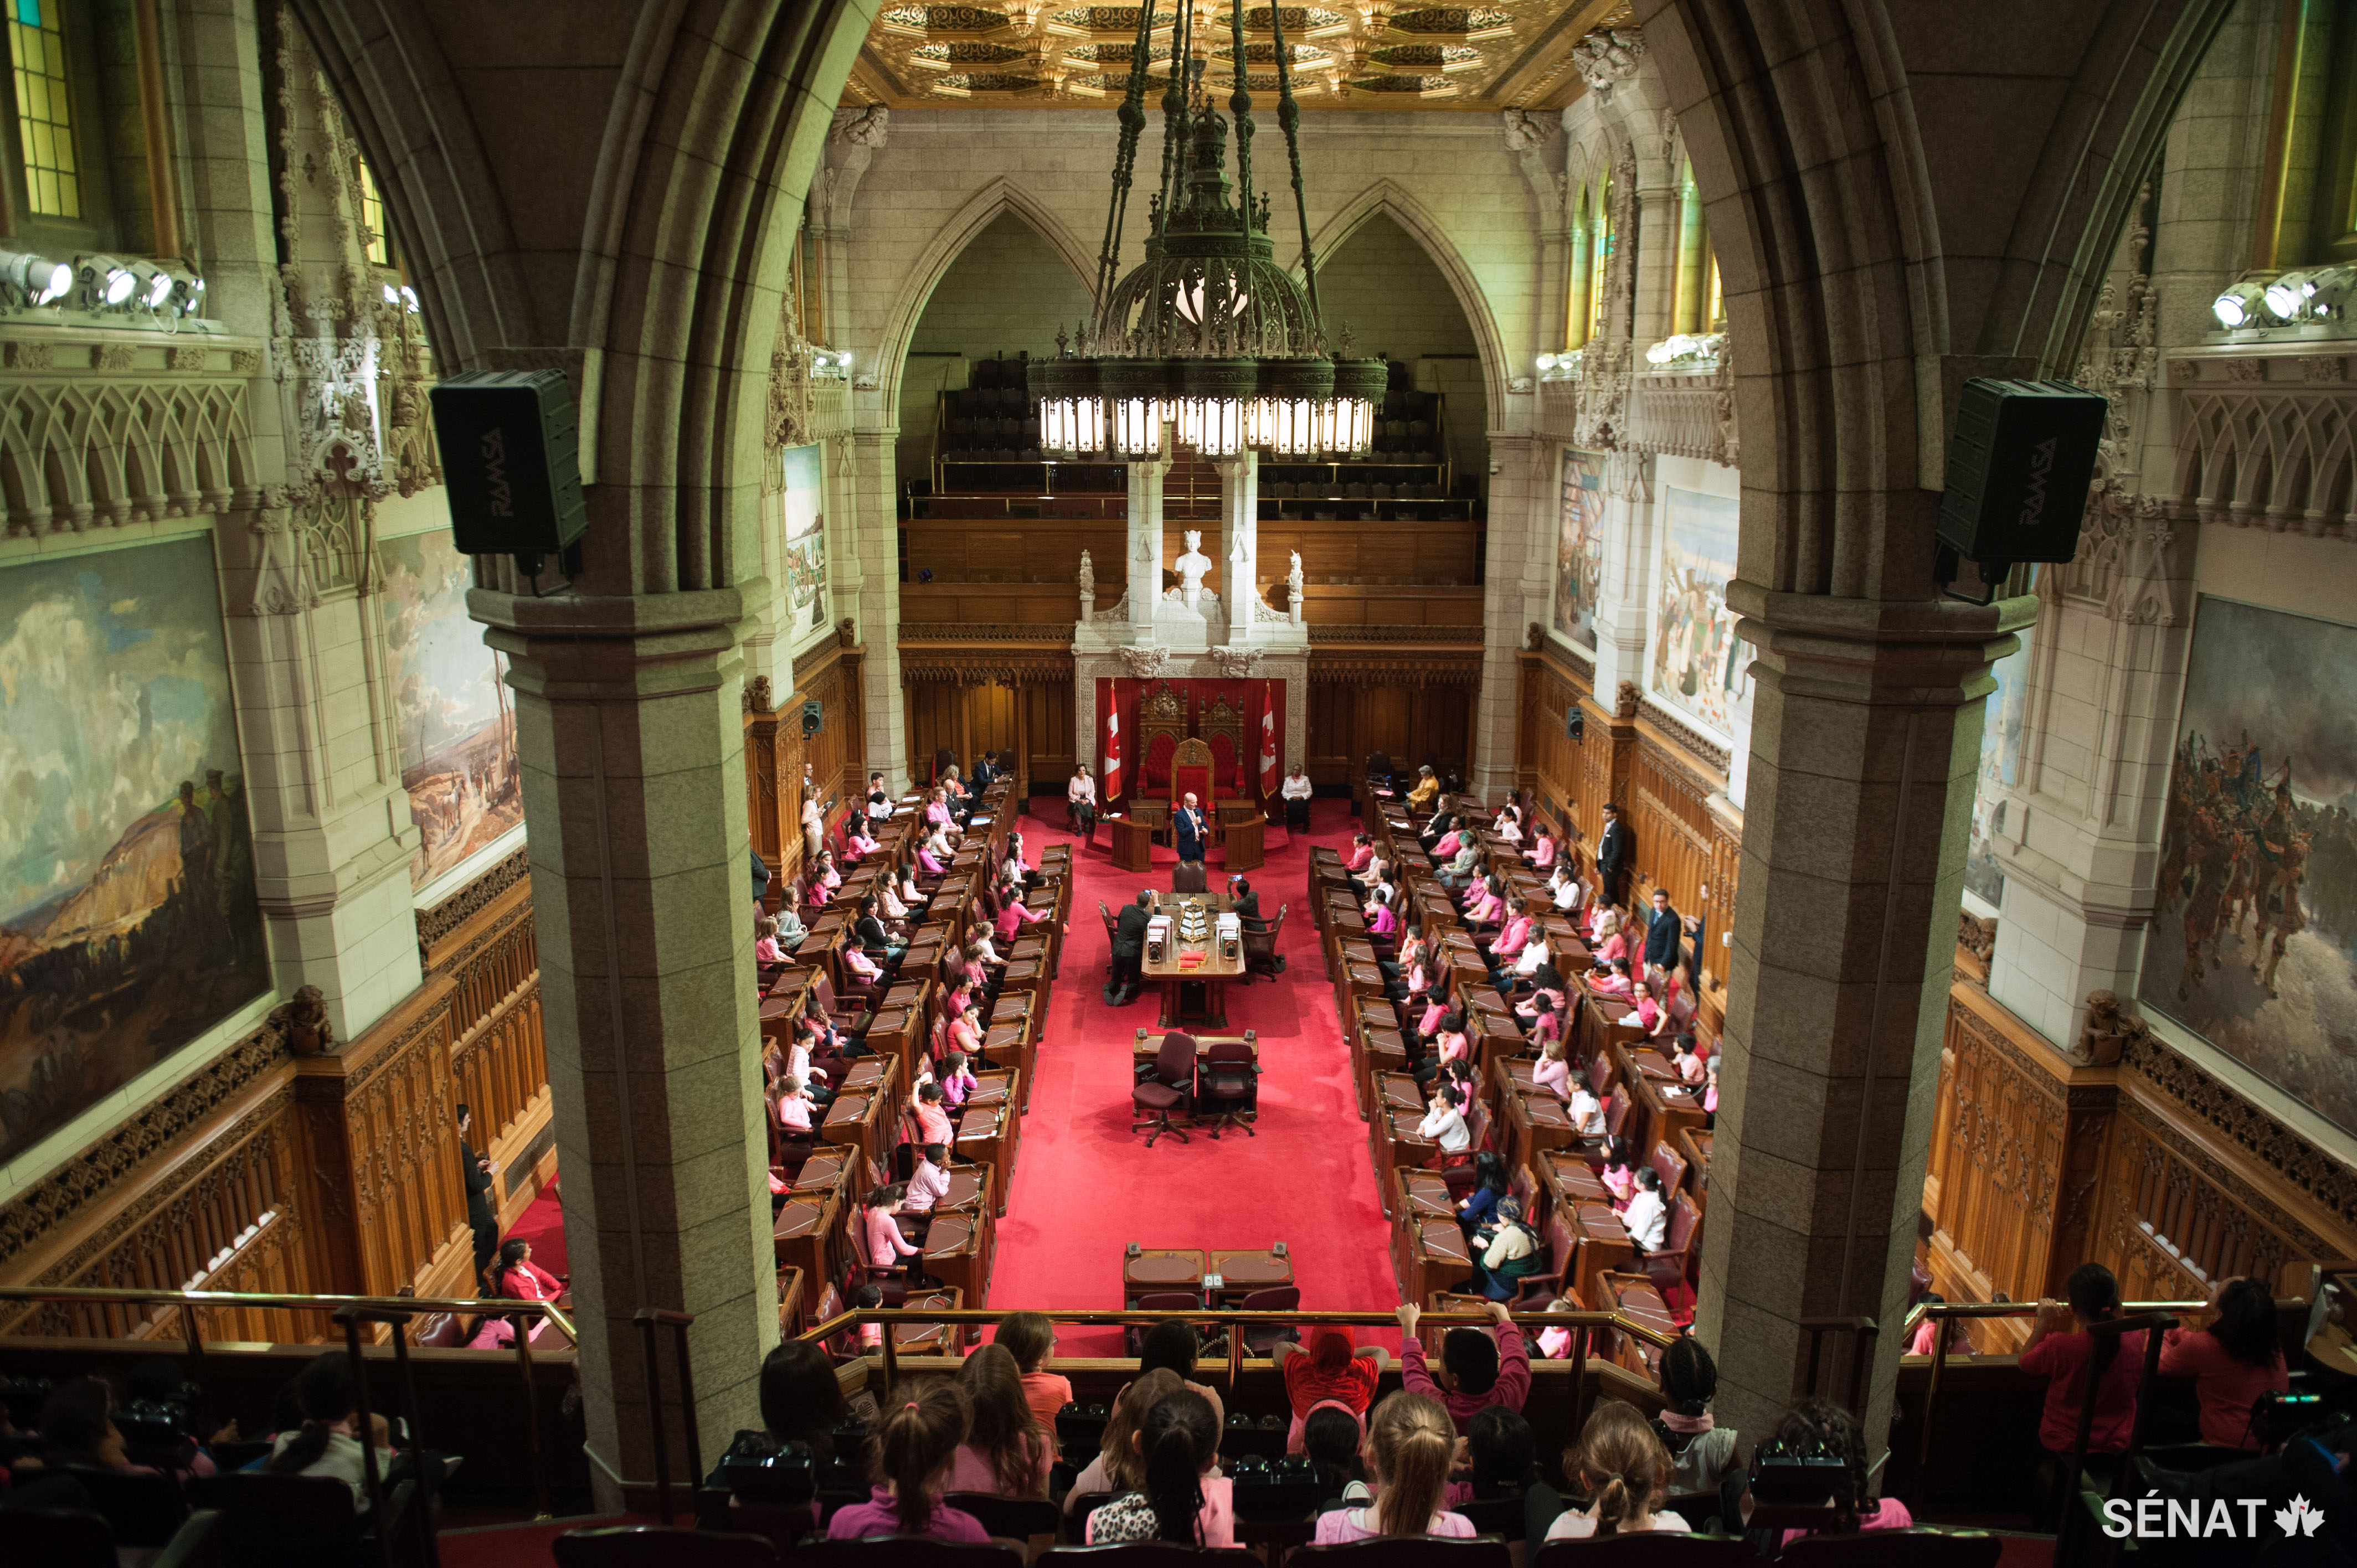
1113, 756
1267, 743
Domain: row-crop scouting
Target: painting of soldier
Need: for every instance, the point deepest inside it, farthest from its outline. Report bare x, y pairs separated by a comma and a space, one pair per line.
2254, 938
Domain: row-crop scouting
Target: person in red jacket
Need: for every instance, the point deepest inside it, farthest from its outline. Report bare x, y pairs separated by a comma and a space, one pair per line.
518, 1278
1474, 1371
2232, 1362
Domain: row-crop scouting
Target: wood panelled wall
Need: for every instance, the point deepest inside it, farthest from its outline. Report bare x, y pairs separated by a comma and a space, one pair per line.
990, 685
2146, 1165
1411, 692
334, 1174
782, 763
1670, 783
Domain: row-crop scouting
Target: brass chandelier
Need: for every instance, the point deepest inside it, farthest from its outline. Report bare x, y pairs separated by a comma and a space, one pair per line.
1208, 333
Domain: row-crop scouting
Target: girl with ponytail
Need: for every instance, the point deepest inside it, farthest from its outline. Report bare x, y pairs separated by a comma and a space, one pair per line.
1177, 1442
2063, 1359
1410, 1445
1623, 1465
914, 1443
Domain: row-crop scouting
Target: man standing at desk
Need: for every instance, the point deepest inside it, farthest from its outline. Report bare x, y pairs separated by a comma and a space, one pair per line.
1128, 951
1662, 936
1187, 830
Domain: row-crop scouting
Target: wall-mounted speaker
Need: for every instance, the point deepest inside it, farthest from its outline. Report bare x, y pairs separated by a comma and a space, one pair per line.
2020, 463
1575, 721
511, 464
811, 717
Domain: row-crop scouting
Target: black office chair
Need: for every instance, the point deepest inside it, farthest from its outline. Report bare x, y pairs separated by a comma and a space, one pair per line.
1226, 1084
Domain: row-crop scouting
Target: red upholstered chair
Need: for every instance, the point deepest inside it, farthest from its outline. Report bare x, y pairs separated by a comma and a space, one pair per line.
1133, 1338
1157, 760
1225, 765
1671, 1165
1669, 1266
1153, 1100
1230, 1070
1192, 772
1275, 1298
1532, 1291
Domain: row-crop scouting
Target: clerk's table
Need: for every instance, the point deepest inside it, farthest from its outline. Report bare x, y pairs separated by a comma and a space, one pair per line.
1193, 992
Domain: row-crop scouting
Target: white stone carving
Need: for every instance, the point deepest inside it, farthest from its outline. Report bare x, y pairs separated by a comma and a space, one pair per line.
1088, 576
1191, 567
1606, 57
1236, 663
1143, 663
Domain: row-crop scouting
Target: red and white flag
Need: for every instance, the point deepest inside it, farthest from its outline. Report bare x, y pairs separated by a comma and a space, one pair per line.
1267, 743
1113, 756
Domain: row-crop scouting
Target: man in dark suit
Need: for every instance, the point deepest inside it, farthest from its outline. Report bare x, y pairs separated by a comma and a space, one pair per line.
1128, 951
1611, 854
1662, 936
986, 771
481, 1218
1187, 830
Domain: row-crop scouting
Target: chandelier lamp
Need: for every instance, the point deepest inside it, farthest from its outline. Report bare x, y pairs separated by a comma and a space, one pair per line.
1207, 333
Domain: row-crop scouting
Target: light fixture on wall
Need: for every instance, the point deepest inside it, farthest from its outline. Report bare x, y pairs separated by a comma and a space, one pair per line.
829, 364
187, 297
107, 283
2241, 305
34, 278
1208, 331
2328, 292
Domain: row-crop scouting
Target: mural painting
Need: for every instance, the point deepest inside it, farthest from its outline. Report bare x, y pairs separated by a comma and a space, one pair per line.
2253, 937
802, 581
1579, 548
2000, 768
450, 705
1698, 666
128, 925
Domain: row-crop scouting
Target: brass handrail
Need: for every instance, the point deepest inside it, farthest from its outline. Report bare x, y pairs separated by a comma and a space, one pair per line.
188, 1300
483, 1306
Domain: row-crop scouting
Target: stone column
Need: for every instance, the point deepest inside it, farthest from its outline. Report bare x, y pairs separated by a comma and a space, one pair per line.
1240, 542
875, 532
1658, 226
1521, 535
1629, 550
1144, 546
629, 731
1866, 733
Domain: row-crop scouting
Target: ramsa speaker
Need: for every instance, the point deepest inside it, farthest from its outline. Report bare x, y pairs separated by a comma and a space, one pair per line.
510, 462
2018, 466
809, 718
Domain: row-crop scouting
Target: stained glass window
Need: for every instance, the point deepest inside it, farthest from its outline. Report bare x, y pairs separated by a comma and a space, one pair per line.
36, 50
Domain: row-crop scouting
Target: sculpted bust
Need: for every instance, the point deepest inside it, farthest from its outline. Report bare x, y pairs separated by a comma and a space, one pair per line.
1191, 568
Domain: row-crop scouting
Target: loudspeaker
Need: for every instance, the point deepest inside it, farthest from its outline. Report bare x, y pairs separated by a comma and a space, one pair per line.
510, 463
809, 718
2020, 463
1575, 721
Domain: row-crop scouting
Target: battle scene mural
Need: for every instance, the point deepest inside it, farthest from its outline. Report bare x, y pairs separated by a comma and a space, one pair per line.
1697, 663
128, 924
1579, 547
2254, 938
457, 728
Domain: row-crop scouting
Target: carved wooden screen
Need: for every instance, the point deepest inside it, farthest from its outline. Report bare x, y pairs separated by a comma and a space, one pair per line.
1222, 726
1161, 725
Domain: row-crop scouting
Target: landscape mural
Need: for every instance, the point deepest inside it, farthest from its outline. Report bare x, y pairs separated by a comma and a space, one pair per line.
450, 705
1698, 666
2254, 938
2000, 769
128, 925
1579, 548
804, 531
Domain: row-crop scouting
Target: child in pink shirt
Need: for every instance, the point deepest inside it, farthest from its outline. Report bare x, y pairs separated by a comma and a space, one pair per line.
957, 1079
885, 1244
795, 1105
932, 1121
765, 945
929, 1183
860, 964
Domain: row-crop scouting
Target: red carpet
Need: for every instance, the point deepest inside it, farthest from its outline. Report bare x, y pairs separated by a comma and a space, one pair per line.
543, 1225
1085, 1184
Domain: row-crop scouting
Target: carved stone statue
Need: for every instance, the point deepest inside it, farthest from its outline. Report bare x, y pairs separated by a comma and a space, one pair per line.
305, 1019
1522, 134
2102, 1033
1088, 576
1192, 567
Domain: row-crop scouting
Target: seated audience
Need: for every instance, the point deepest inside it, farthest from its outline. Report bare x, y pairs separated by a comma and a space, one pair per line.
1117, 1467
882, 1244
518, 1278
327, 1445
1007, 1450
1172, 1346
1476, 1371
1444, 1123
913, 1446
801, 1401
1701, 1453
1031, 1338
1178, 1499
1331, 1370
1499, 1446
2232, 1360
1927, 1332
1822, 1423
1476, 1208
1620, 1172
1333, 1438
1508, 1250
1409, 1448
2062, 1356
1622, 1466
929, 1183
1647, 1215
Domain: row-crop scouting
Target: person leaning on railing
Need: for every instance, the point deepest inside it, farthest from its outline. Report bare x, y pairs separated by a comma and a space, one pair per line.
2232, 1360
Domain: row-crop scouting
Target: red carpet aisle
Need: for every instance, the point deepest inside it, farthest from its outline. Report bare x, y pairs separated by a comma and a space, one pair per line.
1085, 1184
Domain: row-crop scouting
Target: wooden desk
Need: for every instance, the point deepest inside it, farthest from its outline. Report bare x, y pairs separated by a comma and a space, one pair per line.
958, 1252
805, 1233
1422, 1194
1634, 1295
791, 1285
1132, 842
1243, 842
1243, 1270
824, 1171
1212, 975
1436, 1259
1569, 1181
864, 1118
1602, 1243
932, 1338
1159, 1269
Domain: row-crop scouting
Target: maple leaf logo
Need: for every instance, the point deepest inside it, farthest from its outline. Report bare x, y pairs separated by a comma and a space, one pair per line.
2299, 1519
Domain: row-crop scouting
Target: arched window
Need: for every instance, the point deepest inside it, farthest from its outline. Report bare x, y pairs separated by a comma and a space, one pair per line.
1600, 243
1577, 310
375, 241
45, 119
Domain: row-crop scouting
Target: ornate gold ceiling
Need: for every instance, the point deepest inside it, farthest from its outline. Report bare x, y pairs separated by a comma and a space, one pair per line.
1513, 54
